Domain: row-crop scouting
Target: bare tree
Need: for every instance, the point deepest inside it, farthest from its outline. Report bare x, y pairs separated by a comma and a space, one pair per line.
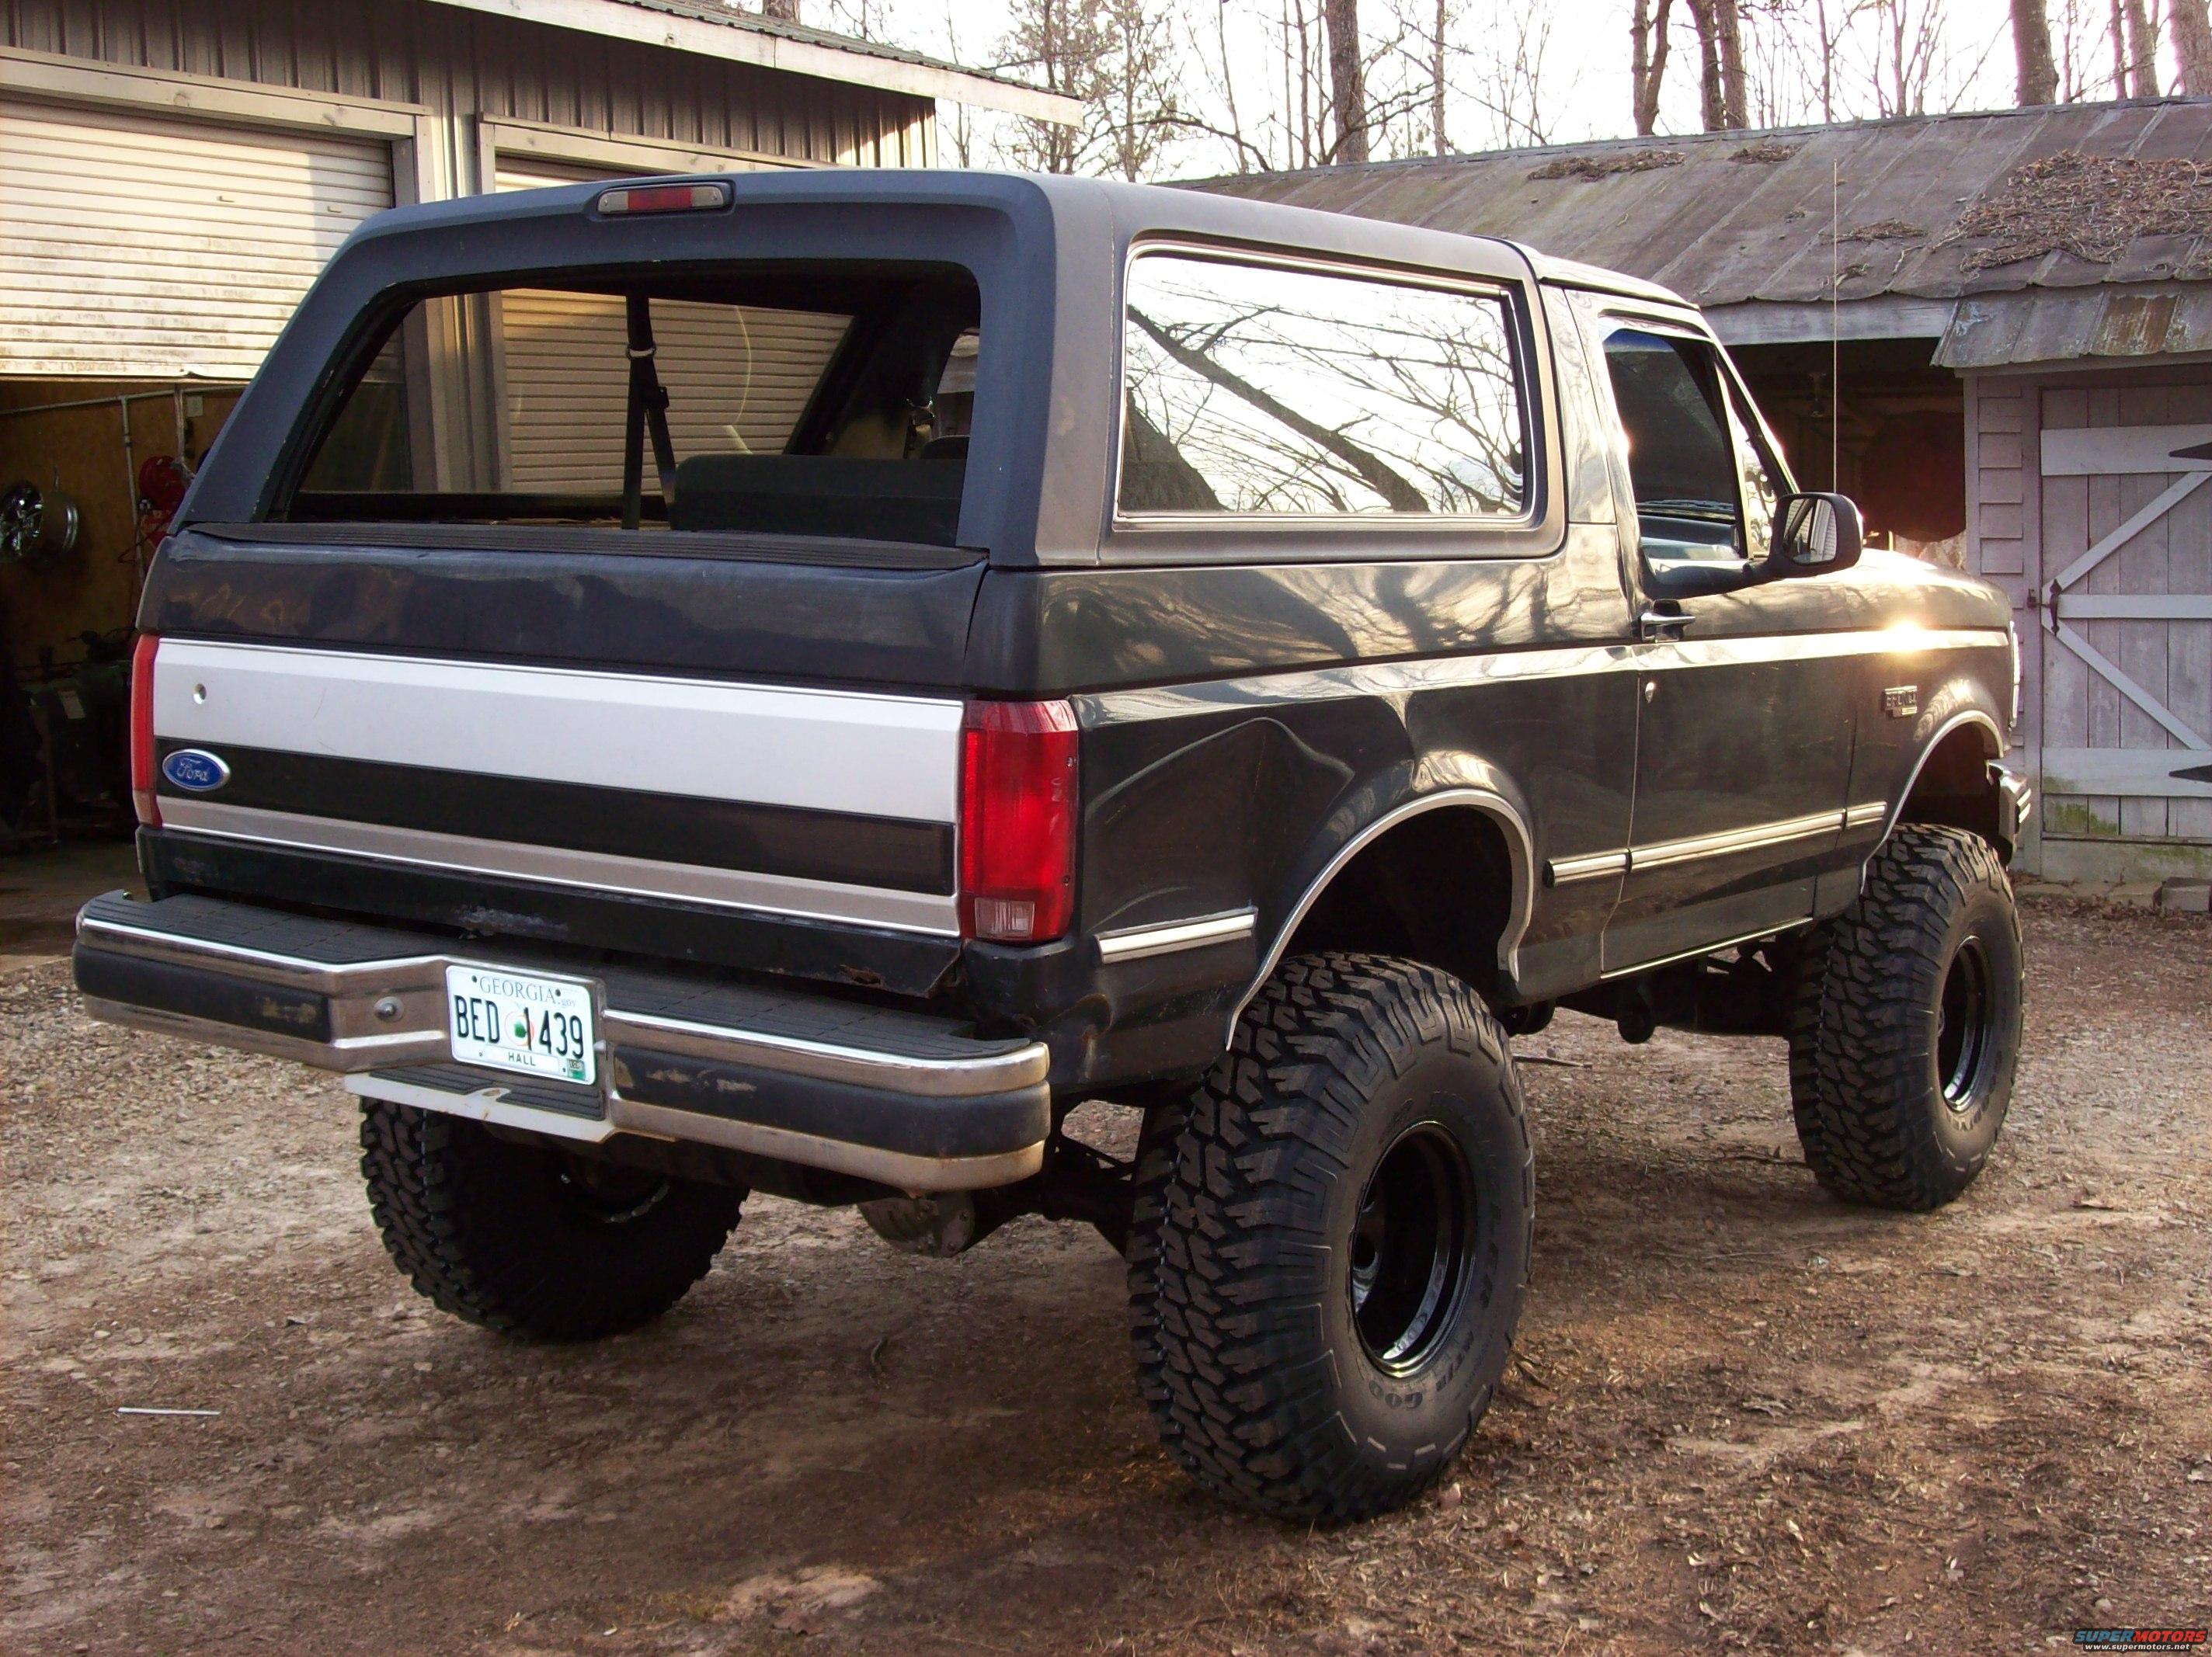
867, 20
2072, 44
782, 12
1064, 44
1909, 49
2192, 44
1439, 80
1140, 91
956, 124
2035, 79
1246, 154
1720, 61
2142, 49
1827, 43
1347, 79
1119, 56
1647, 69
1507, 78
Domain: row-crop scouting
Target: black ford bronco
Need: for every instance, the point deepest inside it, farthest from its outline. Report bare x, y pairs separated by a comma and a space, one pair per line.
793, 684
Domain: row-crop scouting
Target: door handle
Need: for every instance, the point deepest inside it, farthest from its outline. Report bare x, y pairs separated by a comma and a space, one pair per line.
1662, 620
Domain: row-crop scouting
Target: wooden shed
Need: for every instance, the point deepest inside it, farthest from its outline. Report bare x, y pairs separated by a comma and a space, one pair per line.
1996, 330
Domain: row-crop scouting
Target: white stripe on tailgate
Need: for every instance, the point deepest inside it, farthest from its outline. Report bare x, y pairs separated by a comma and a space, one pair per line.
828, 751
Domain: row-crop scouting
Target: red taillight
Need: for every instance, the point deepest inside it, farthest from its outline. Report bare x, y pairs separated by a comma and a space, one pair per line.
664, 198
1018, 801
141, 731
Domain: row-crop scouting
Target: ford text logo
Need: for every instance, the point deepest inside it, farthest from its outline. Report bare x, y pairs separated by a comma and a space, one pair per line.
195, 770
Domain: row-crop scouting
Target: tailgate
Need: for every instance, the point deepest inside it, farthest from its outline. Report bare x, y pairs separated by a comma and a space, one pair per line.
830, 804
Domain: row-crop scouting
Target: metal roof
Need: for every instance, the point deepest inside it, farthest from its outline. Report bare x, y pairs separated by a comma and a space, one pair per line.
717, 30
2108, 206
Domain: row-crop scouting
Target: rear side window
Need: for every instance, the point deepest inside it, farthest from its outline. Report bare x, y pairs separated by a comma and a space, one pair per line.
832, 401
1257, 390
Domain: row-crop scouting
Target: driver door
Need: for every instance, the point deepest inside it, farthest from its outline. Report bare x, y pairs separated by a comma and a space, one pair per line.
1743, 752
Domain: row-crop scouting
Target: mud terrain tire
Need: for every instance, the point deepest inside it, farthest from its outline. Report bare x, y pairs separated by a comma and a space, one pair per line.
1331, 1240
1906, 1027
526, 1240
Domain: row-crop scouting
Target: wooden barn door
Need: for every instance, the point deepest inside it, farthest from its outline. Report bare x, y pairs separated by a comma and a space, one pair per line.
2125, 604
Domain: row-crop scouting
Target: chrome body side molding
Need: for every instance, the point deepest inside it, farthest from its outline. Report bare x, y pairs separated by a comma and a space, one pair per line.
1756, 837
1138, 942
1548, 662
1560, 872
1565, 871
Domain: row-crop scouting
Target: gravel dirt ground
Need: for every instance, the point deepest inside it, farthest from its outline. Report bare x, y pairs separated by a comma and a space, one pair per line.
1742, 1415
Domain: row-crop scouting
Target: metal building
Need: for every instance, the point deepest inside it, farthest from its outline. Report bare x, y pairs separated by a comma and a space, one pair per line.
173, 172
1997, 330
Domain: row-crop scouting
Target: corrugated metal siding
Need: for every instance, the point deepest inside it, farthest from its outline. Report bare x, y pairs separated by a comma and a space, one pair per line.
462, 63
133, 245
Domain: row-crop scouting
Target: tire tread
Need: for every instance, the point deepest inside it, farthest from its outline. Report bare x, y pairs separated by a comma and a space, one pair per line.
417, 1165
1228, 1254
1857, 1064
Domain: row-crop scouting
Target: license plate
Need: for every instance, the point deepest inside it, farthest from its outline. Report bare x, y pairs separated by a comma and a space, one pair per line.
523, 1022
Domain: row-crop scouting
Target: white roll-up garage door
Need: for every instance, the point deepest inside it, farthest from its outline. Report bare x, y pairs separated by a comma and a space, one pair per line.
738, 376
159, 246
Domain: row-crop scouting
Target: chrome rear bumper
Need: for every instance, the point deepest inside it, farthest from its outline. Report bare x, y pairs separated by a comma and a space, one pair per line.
908, 1100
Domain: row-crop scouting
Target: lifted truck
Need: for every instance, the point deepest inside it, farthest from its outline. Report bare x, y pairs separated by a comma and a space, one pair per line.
791, 683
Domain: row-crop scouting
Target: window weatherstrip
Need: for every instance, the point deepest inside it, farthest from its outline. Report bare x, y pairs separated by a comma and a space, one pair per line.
1507, 290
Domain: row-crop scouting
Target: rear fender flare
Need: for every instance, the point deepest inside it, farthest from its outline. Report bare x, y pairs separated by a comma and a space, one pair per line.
1492, 796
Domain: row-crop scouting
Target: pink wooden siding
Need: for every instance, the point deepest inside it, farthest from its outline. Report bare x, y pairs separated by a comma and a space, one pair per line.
2026, 526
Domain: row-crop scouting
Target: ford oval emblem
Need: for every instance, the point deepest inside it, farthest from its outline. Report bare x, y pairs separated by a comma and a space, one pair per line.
195, 770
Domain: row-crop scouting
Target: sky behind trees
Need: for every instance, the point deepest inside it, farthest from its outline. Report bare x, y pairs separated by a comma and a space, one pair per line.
1193, 88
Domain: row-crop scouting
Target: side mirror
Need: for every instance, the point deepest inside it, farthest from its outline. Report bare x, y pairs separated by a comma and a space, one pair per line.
1815, 535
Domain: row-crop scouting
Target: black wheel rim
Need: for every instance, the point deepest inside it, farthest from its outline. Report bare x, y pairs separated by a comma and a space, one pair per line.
609, 1193
1964, 1039
1411, 1244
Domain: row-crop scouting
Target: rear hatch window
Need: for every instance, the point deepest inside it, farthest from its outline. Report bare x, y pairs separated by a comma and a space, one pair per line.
828, 400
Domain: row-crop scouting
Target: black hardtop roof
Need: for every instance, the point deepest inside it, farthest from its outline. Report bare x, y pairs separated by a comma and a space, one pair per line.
1078, 208
1047, 253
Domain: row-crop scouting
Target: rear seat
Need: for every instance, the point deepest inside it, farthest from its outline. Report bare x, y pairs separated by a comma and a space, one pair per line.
913, 500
